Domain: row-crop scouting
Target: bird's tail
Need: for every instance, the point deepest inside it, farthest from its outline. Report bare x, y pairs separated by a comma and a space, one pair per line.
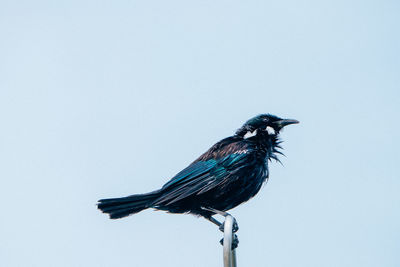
125, 206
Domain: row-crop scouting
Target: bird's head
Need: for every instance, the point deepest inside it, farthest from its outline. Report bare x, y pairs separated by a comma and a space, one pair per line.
263, 126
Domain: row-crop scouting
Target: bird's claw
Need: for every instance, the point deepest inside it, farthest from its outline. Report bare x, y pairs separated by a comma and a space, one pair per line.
235, 226
235, 242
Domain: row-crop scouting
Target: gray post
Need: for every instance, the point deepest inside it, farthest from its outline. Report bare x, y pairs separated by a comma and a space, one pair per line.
229, 254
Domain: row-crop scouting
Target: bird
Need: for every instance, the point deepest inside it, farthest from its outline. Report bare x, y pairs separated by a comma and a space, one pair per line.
230, 173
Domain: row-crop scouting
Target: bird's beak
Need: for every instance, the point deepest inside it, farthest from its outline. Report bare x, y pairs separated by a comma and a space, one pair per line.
285, 122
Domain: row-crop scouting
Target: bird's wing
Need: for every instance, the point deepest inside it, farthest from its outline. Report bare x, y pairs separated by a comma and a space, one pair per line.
202, 165
201, 176
193, 171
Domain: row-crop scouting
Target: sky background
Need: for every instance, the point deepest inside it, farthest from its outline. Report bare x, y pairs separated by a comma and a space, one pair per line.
110, 98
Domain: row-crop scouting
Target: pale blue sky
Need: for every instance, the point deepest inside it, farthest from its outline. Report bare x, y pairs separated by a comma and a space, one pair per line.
109, 98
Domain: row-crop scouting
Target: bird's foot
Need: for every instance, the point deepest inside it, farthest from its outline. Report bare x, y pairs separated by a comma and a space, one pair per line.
235, 226
219, 224
235, 242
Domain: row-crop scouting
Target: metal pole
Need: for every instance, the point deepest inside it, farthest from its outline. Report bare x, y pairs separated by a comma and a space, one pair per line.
229, 254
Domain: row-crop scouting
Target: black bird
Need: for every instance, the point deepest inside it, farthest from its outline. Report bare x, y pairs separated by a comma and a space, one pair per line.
228, 174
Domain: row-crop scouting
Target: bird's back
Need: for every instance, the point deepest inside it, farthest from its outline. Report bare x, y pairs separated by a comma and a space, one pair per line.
228, 174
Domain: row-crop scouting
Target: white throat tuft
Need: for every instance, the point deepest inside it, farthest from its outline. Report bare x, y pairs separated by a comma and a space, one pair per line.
270, 130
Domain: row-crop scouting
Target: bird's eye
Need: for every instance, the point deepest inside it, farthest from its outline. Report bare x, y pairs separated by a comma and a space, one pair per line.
250, 134
270, 130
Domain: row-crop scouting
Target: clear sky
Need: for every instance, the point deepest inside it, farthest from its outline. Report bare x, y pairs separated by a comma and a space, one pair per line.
110, 98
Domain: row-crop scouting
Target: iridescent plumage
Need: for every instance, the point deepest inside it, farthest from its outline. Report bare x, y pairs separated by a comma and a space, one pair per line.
228, 174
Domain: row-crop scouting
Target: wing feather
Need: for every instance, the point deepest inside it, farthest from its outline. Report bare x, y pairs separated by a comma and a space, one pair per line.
201, 177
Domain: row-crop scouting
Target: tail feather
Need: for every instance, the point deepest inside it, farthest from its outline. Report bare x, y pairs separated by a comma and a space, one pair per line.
125, 206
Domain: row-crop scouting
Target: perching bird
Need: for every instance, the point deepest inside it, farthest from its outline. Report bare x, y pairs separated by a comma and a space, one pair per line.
228, 174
